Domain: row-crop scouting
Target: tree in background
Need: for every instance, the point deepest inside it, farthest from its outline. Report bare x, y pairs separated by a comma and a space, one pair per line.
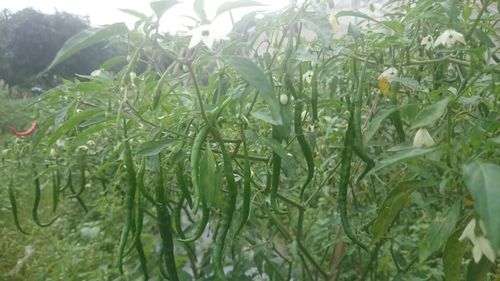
29, 41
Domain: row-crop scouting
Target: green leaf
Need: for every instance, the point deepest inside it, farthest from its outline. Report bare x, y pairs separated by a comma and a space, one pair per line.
275, 146
199, 9
403, 155
482, 179
478, 271
355, 14
151, 148
258, 80
135, 14
484, 38
84, 39
377, 121
161, 6
439, 230
236, 4
72, 122
394, 25
495, 139
265, 116
397, 198
430, 114
408, 82
454, 251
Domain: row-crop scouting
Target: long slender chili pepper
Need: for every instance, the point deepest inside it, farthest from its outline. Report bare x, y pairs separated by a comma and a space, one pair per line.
132, 186
314, 95
181, 182
13, 204
304, 145
345, 172
177, 218
164, 224
205, 215
56, 183
137, 239
36, 203
195, 165
229, 206
74, 193
276, 170
141, 186
247, 173
358, 139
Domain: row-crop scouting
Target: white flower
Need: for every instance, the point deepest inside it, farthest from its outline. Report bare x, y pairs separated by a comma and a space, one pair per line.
469, 231
205, 33
389, 74
283, 99
449, 38
334, 22
308, 76
481, 244
422, 138
482, 247
427, 42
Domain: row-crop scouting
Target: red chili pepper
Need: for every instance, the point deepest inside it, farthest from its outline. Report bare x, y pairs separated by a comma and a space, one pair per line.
26, 133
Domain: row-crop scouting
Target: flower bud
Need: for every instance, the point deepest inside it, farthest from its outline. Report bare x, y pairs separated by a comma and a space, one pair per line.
283, 99
422, 138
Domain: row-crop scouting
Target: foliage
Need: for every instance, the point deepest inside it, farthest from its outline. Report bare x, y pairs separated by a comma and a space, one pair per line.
11, 113
287, 135
30, 39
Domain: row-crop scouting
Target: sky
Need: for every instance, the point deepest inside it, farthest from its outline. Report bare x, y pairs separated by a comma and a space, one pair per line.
101, 12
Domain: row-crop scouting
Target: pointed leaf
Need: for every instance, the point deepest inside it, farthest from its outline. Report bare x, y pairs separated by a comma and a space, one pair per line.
377, 121
161, 6
72, 122
209, 174
439, 230
453, 255
151, 148
430, 114
355, 14
84, 39
236, 4
403, 155
478, 271
482, 180
397, 198
257, 79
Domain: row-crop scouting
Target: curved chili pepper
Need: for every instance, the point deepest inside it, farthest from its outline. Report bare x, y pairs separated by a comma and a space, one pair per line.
26, 133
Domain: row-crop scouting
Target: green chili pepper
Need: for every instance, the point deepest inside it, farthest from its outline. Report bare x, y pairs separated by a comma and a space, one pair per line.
164, 224
195, 165
137, 237
132, 186
247, 173
36, 203
276, 170
56, 183
177, 218
13, 204
229, 206
314, 95
181, 182
74, 194
140, 184
358, 139
201, 226
345, 172
304, 145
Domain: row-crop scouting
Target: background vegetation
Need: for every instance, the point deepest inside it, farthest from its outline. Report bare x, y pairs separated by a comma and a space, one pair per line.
284, 151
